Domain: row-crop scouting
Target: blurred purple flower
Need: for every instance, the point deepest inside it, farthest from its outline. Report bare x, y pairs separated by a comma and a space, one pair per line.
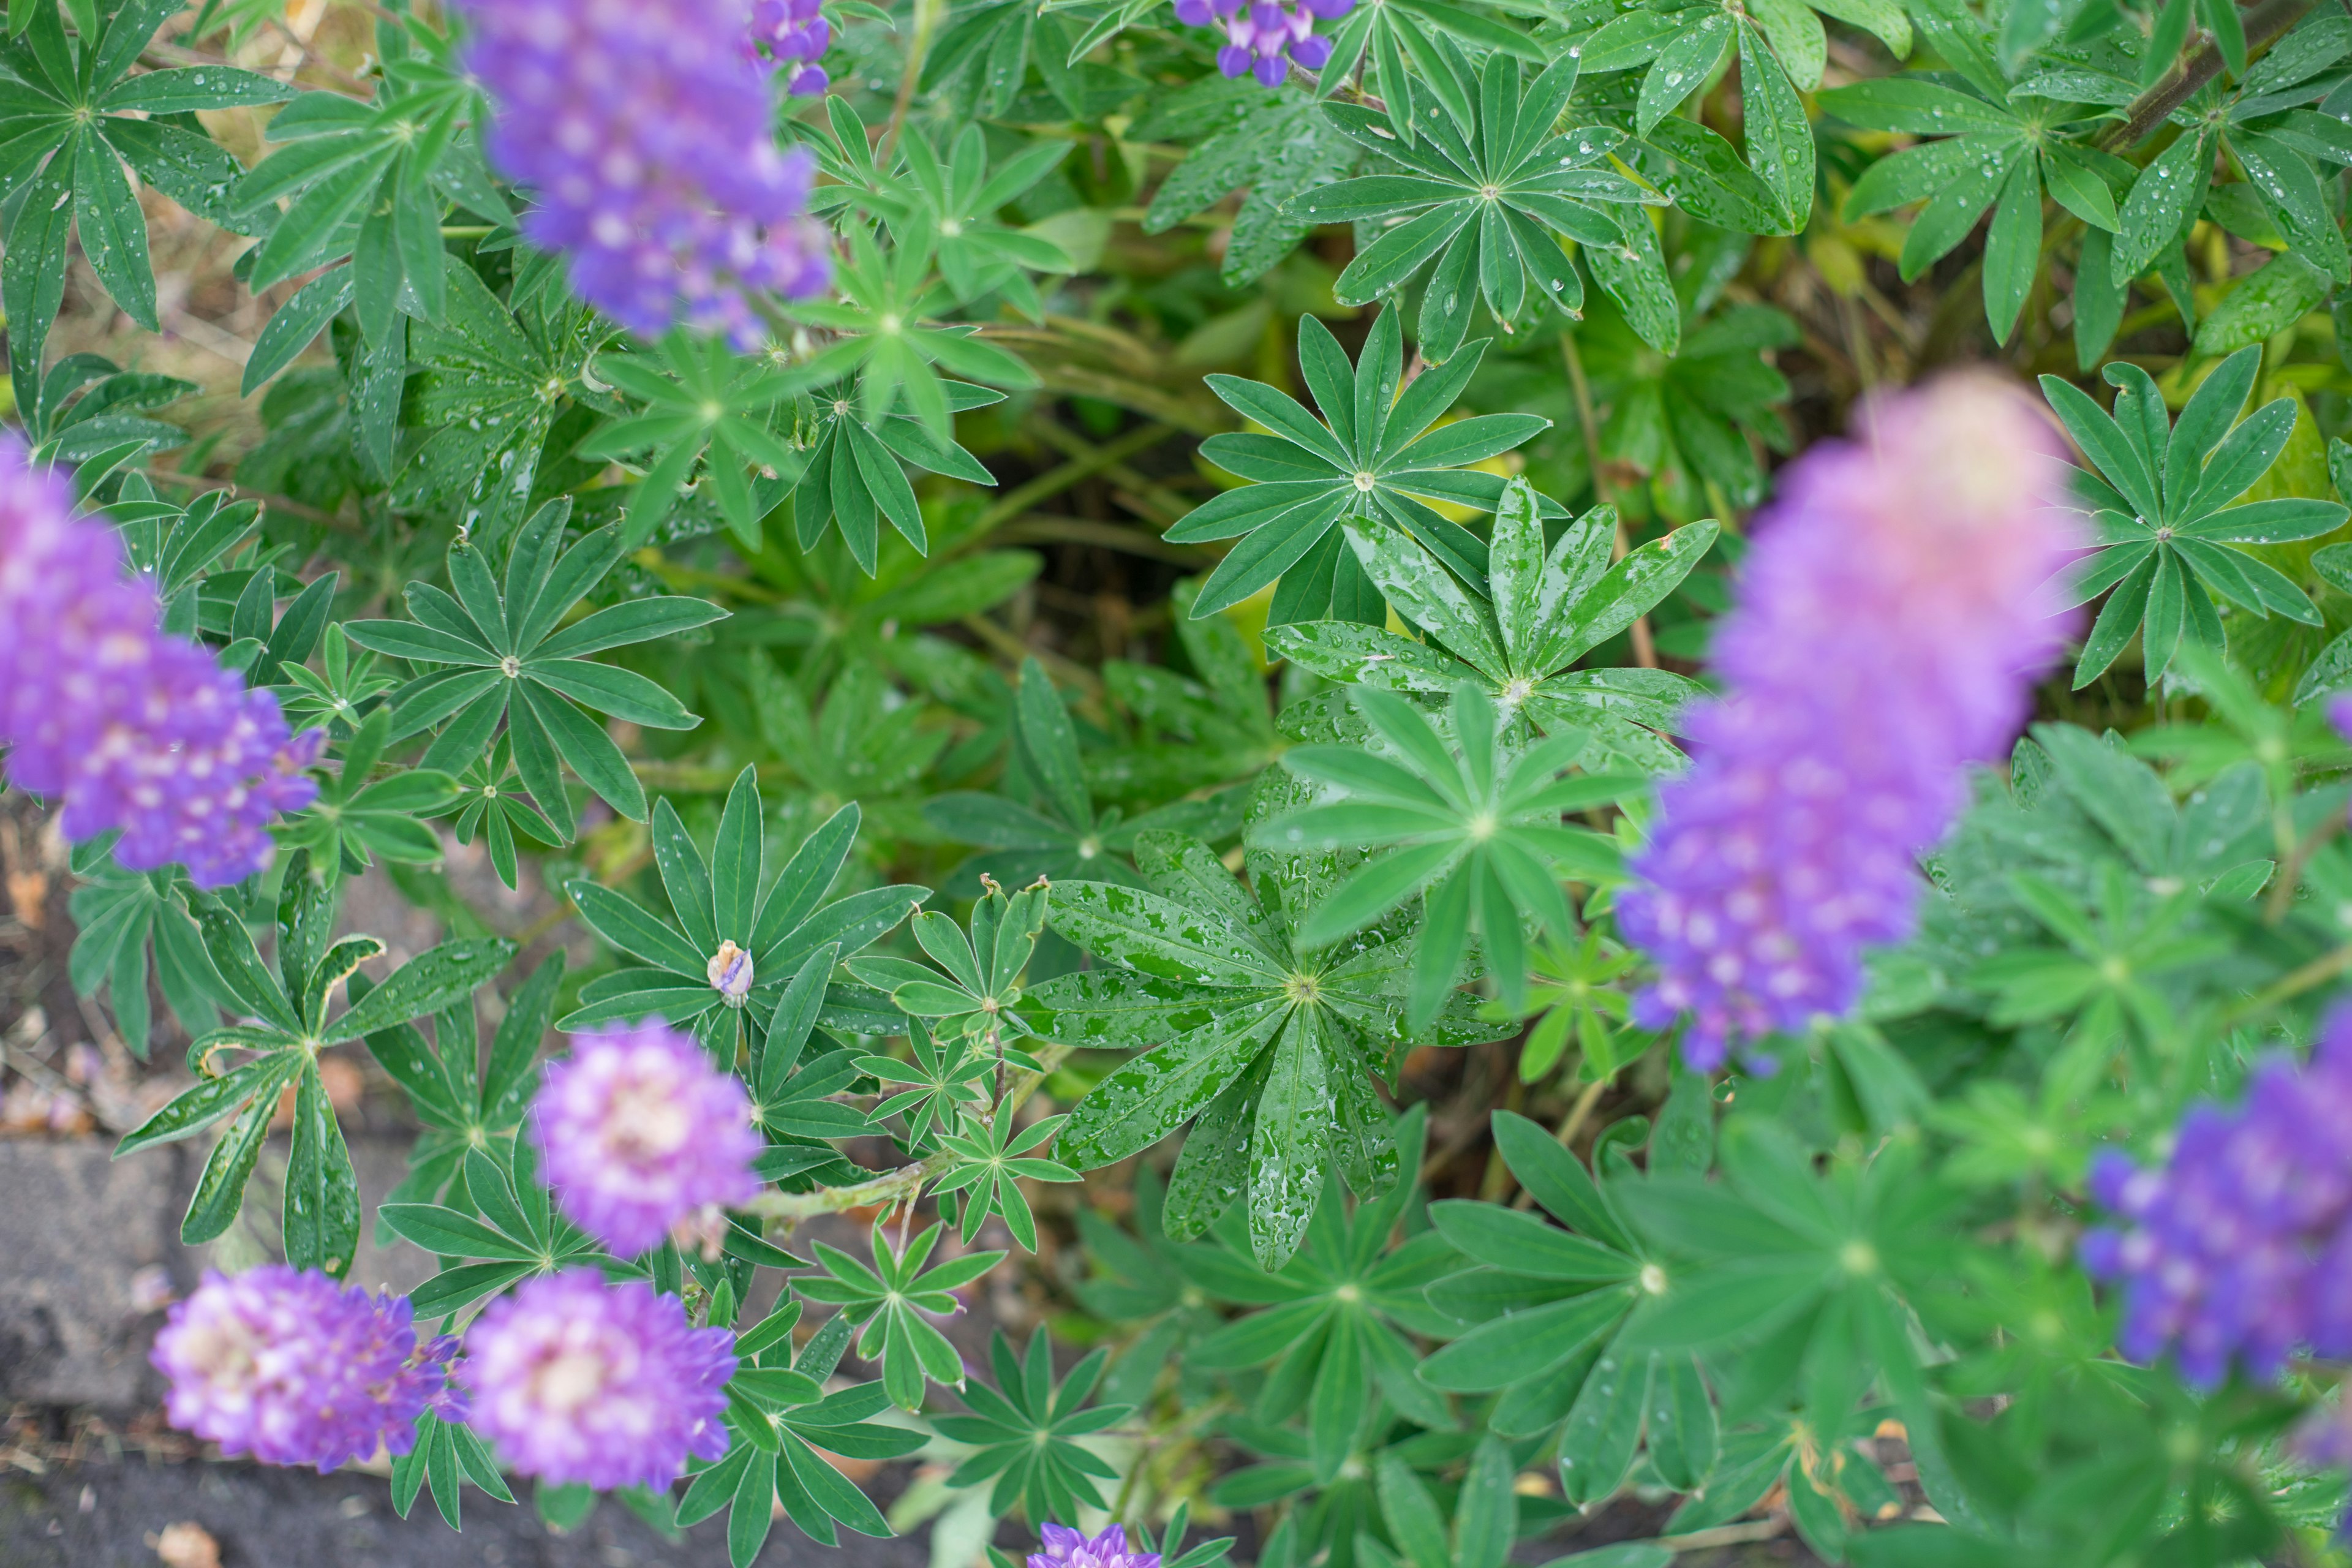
1266, 37
574, 1379
787, 32
295, 1369
1068, 1548
639, 1131
1893, 614
130, 728
648, 135
2240, 1248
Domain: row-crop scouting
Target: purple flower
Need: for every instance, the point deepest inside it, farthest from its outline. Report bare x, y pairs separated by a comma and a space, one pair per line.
295, 1369
1066, 1548
130, 728
785, 31
578, 1381
644, 128
639, 1131
1266, 37
1892, 615
2240, 1248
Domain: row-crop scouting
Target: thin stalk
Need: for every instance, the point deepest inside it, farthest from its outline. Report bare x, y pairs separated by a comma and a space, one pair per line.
1580, 1112
1645, 648
1091, 460
2263, 22
919, 49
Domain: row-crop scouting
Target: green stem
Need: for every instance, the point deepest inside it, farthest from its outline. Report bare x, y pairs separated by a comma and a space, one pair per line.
2318, 972
1090, 461
2262, 22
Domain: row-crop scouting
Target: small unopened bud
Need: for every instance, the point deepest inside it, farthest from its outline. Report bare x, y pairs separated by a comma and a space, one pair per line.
730, 972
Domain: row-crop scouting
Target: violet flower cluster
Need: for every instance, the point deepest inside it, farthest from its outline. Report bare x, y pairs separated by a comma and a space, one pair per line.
1892, 615
646, 133
1266, 37
790, 32
576, 1381
638, 1131
1068, 1548
295, 1369
2240, 1248
129, 726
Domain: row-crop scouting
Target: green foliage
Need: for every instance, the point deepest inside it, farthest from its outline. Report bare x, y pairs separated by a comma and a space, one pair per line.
2163, 515
1023, 1430
887, 1303
1376, 453
279, 1049
1270, 735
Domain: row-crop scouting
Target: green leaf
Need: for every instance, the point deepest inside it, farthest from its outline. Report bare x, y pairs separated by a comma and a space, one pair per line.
425, 984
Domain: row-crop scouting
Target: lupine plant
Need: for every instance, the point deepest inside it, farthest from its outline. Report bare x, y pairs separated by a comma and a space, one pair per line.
1500, 897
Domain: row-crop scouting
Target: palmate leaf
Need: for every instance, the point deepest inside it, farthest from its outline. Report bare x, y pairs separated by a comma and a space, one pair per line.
2161, 515
1340, 1319
461, 1099
1483, 202
778, 1415
1061, 834
71, 117
1781, 50
497, 382
1469, 823
119, 919
507, 1229
888, 336
279, 1050
727, 919
957, 198
509, 664
1373, 455
1551, 607
892, 1304
1269, 1044
852, 472
356, 819
1278, 145
1026, 1431
1999, 154
703, 407
372, 181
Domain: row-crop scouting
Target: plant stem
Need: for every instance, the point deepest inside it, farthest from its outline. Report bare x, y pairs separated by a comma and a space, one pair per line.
1580, 1112
2263, 21
2318, 972
1092, 460
1645, 650
919, 49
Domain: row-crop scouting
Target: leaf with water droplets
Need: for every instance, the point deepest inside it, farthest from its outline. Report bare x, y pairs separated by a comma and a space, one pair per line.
2166, 193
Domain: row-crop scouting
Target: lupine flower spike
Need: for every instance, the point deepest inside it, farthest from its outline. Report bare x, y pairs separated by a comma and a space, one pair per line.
1892, 619
129, 726
1264, 39
2240, 1248
295, 1369
573, 1379
794, 32
1068, 1548
640, 1133
646, 131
